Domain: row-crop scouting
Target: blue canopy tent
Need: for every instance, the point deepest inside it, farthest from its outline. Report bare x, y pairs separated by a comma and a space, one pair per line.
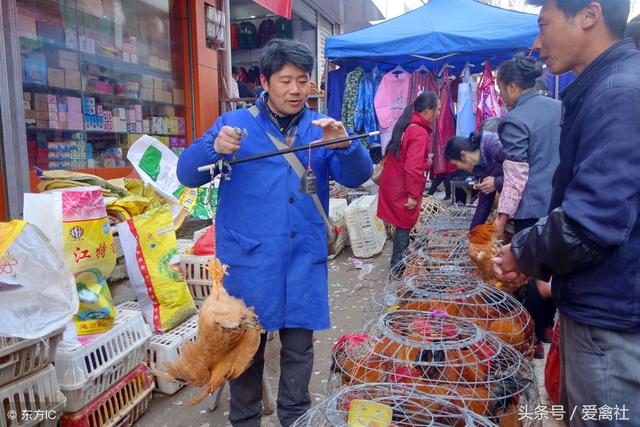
451, 31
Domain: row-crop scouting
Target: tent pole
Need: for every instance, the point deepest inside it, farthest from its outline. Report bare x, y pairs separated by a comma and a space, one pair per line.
557, 84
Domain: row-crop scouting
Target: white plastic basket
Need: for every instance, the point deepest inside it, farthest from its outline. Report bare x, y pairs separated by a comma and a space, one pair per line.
197, 276
366, 231
33, 400
166, 348
19, 357
86, 372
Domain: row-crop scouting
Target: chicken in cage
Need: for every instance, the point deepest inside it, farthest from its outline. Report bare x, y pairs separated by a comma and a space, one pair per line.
433, 350
391, 404
463, 296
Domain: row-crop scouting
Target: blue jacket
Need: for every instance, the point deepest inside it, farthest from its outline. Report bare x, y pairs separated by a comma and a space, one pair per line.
365, 119
597, 189
268, 232
530, 133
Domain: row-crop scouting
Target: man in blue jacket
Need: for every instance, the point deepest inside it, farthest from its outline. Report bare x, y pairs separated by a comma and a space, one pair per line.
590, 241
271, 235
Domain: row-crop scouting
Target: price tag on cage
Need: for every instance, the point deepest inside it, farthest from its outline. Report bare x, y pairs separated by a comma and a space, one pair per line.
365, 413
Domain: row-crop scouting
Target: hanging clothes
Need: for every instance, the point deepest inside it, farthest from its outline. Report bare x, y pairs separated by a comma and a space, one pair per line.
422, 80
266, 32
489, 102
284, 29
467, 97
446, 128
247, 33
234, 36
365, 119
390, 100
350, 97
336, 80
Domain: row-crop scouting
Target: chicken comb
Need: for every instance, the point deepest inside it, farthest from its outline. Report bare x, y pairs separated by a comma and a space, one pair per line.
482, 233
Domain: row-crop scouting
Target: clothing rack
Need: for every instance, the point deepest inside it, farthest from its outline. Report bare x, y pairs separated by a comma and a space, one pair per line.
253, 17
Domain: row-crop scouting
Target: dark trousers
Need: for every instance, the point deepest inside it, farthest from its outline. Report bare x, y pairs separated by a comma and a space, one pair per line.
439, 180
400, 245
542, 310
296, 365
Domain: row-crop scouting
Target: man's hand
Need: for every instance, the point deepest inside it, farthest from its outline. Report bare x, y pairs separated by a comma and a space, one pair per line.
488, 185
506, 267
227, 142
411, 203
500, 223
332, 129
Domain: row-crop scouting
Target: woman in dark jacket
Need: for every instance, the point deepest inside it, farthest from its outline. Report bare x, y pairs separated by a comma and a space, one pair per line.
403, 178
481, 155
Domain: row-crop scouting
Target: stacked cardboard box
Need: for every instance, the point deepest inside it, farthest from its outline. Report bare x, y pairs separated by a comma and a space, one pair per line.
46, 107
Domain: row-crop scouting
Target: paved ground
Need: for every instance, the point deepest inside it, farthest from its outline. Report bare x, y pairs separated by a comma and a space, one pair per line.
348, 296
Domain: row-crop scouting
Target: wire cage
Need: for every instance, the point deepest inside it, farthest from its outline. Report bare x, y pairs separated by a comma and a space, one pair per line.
444, 248
429, 350
430, 208
462, 296
402, 405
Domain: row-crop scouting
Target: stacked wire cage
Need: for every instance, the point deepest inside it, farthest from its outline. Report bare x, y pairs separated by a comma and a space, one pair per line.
402, 405
459, 295
430, 208
433, 351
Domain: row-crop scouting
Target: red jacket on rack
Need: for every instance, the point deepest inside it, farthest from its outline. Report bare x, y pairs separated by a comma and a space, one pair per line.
404, 176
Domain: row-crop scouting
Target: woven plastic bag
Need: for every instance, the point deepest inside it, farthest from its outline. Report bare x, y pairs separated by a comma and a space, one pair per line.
150, 250
75, 221
31, 307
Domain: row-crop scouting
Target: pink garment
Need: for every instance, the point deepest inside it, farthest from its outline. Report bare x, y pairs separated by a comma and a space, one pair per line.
446, 128
489, 102
516, 175
422, 81
390, 100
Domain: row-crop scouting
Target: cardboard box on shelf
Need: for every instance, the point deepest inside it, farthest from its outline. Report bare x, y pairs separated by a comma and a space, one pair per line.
74, 104
146, 94
146, 126
45, 98
159, 83
45, 115
166, 110
35, 69
27, 26
29, 114
70, 38
62, 116
72, 80
146, 81
62, 106
55, 77
178, 96
158, 95
27, 96
137, 108
53, 124
75, 120
154, 61
181, 126
49, 33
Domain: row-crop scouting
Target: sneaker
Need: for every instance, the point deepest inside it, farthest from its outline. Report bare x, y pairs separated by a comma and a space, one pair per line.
547, 335
447, 198
538, 351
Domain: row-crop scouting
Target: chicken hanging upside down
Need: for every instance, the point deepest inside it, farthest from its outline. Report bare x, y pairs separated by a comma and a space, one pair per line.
484, 245
228, 338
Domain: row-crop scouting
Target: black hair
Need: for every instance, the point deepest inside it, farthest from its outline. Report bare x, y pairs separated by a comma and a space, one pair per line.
542, 87
278, 52
521, 70
458, 144
424, 101
633, 30
615, 12
234, 71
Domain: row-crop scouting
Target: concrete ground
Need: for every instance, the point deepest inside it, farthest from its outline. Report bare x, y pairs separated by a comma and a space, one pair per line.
348, 296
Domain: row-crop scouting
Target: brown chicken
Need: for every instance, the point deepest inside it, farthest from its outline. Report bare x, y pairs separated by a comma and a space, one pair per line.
484, 245
228, 338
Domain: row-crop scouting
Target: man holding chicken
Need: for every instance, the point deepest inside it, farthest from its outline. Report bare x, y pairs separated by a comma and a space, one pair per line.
272, 236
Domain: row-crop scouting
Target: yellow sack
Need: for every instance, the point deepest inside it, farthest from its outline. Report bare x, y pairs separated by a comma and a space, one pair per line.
76, 223
150, 250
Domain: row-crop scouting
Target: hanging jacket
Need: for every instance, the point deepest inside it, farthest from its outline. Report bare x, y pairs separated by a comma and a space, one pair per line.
350, 97
491, 159
266, 32
590, 241
467, 96
446, 128
283, 28
365, 117
234, 36
247, 34
530, 135
489, 103
404, 176
422, 81
269, 233
336, 81
390, 99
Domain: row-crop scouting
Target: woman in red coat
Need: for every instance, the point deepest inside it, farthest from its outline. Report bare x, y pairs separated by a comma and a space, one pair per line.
403, 177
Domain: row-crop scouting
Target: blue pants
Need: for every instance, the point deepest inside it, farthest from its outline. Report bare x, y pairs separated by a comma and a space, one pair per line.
599, 367
400, 245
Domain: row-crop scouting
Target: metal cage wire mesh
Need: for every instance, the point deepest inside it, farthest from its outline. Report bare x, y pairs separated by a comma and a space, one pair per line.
428, 350
409, 407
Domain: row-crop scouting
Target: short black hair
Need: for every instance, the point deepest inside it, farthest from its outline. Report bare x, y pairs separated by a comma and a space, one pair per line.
521, 70
234, 71
616, 12
633, 30
278, 52
457, 144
